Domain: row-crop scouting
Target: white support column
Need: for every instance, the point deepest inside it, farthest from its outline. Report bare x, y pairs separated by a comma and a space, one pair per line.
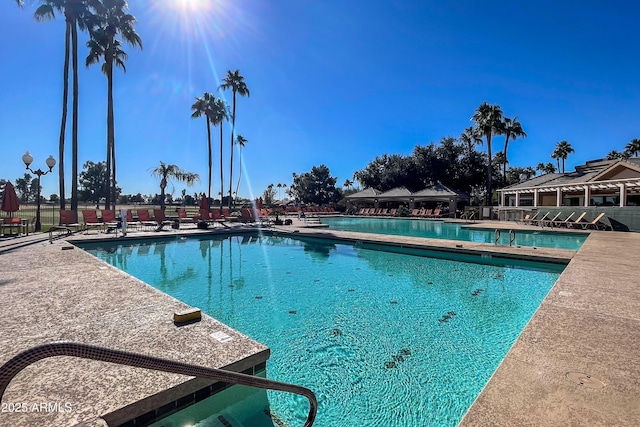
559, 197
535, 198
502, 198
587, 196
623, 194
517, 199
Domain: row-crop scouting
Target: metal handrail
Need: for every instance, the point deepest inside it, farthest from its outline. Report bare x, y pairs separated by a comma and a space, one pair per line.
17, 363
496, 236
512, 237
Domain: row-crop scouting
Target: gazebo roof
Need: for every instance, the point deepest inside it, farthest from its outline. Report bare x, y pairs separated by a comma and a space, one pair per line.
439, 190
395, 193
367, 193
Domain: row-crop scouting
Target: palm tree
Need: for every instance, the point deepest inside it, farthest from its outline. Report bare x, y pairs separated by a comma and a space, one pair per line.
20, 3
279, 187
284, 188
166, 172
633, 147
219, 113
204, 105
556, 155
235, 82
241, 142
488, 121
471, 137
512, 129
562, 151
347, 183
500, 159
113, 19
77, 15
546, 168
617, 155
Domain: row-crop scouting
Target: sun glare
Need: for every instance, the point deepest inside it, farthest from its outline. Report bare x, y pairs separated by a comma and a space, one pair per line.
190, 5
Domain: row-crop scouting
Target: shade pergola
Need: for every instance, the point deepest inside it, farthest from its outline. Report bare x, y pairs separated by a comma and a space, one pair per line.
435, 193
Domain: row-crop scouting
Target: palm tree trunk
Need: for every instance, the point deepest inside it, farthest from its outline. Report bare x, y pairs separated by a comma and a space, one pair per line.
221, 174
114, 198
233, 128
210, 157
74, 126
63, 122
504, 166
110, 128
488, 200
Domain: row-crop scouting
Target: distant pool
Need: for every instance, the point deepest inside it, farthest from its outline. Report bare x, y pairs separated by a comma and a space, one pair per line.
453, 231
382, 338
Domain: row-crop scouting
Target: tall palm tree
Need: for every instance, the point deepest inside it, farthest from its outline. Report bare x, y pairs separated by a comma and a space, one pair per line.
471, 137
488, 121
562, 151
347, 183
500, 159
167, 172
219, 113
204, 105
112, 19
241, 142
556, 155
512, 129
633, 147
236, 83
279, 187
77, 15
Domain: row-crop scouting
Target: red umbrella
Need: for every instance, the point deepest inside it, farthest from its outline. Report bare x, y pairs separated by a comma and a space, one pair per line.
10, 202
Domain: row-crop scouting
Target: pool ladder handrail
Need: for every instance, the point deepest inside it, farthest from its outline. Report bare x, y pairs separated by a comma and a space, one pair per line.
496, 236
17, 363
512, 237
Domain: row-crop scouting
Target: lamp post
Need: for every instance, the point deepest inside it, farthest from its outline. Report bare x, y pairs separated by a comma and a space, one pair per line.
51, 162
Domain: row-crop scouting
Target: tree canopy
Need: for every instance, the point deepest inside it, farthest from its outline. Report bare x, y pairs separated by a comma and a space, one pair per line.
316, 187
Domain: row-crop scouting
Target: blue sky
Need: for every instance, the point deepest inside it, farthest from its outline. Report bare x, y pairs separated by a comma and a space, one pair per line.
332, 82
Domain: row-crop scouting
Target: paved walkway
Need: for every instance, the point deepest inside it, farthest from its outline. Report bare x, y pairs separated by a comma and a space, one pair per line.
586, 330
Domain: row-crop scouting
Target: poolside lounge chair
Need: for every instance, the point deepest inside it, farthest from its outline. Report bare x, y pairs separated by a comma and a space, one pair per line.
596, 224
109, 218
434, 214
539, 221
184, 218
160, 218
392, 212
69, 219
528, 218
90, 218
246, 215
548, 222
415, 212
144, 219
131, 222
577, 223
562, 223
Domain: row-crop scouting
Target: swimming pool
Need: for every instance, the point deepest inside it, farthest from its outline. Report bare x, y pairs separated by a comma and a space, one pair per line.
454, 231
382, 338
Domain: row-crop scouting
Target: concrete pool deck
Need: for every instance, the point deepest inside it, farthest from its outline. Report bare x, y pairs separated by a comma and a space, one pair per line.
589, 323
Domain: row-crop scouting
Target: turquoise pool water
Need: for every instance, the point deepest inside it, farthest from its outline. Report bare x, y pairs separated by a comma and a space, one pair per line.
383, 338
453, 231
